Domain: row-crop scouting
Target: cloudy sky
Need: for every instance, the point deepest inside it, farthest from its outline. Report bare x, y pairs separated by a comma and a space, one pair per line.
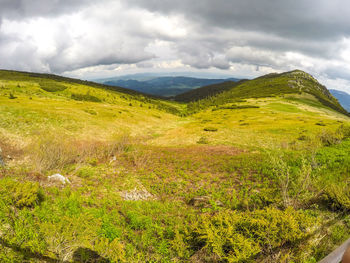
241, 38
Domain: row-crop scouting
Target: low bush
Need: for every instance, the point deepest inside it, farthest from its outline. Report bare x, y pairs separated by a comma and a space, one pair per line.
12, 97
20, 194
52, 86
328, 138
236, 107
344, 131
337, 196
84, 97
210, 129
240, 237
86, 172
203, 140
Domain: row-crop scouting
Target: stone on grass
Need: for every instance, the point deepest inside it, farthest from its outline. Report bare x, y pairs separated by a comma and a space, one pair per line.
59, 178
136, 195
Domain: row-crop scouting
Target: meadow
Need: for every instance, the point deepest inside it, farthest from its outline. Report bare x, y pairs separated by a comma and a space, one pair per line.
250, 179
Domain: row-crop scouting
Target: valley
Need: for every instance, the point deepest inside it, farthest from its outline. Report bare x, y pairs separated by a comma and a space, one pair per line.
248, 171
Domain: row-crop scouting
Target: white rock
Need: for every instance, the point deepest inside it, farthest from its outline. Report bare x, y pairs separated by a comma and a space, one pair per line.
135, 195
59, 178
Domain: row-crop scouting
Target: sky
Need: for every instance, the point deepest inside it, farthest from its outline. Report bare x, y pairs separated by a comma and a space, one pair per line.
239, 38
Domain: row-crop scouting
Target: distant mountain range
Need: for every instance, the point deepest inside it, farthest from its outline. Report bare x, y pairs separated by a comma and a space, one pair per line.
162, 86
343, 98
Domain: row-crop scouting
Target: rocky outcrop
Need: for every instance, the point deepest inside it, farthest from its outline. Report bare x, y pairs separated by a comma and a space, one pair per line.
58, 178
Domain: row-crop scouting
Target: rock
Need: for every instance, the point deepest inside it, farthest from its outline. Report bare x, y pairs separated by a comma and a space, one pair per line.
113, 159
59, 178
136, 195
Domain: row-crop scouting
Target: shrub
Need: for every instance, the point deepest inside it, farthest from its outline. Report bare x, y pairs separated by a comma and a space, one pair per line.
91, 111
210, 129
113, 250
26, 194
338, 196
203, 140
303, 138
52, 87
344, 131
84, 97
239, 237
12, 97
328, 138
86, 172
320, 123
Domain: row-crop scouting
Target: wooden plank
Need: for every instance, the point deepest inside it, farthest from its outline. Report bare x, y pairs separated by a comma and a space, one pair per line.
336, 255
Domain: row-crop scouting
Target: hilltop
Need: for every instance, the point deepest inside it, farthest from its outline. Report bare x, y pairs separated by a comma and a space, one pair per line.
249, 171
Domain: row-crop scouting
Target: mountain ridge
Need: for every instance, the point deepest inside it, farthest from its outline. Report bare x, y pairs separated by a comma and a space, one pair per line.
165, 85
343, 98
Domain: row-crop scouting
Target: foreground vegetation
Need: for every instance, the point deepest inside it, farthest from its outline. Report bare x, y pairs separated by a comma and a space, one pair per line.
261, 179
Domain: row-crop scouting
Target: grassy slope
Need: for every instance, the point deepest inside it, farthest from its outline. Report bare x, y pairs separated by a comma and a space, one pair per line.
266, 86
190, 172
36, 110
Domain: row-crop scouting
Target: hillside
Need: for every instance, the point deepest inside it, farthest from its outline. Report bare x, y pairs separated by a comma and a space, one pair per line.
255, 173
294, 82
343, 98
164, 86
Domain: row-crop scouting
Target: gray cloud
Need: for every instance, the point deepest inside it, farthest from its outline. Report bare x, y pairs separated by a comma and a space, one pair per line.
313, 19
21, 9
63, 36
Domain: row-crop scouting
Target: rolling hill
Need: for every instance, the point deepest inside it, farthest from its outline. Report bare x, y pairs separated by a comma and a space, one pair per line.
253, 171
294, 82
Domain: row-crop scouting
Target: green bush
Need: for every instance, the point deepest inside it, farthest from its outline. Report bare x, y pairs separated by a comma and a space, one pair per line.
328, 138
84, 97
344, 131
86, 172
12, 97
26, 194
338, 196
210, 129
52, 87
113, 250
203, 140
91, 111
239, 237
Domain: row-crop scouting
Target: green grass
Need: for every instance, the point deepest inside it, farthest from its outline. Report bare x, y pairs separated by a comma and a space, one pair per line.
210, 184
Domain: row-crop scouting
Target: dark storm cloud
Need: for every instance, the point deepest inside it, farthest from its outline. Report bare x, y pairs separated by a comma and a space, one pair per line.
312, 19
71, 35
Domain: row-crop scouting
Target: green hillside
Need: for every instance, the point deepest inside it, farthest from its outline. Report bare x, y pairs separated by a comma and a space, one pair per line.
294, 82
255, 173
